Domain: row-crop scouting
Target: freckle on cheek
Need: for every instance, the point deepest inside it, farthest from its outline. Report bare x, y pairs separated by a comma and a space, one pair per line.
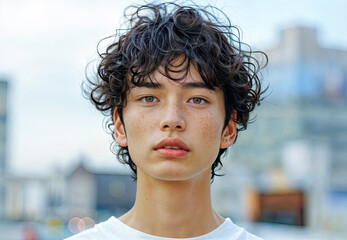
210, 126
139, 122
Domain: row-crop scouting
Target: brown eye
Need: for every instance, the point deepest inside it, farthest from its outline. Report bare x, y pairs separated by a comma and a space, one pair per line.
148, 99
197, 100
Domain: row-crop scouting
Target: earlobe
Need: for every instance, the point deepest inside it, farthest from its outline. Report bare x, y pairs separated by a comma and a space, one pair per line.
119, 132
229, 134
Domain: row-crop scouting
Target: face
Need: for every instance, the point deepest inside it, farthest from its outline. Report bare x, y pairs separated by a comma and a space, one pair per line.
174, 130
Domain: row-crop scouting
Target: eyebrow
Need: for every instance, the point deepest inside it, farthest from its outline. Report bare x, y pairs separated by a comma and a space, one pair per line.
185, 85
146, 84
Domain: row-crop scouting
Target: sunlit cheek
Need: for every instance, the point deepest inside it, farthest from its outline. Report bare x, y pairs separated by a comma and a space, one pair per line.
140, 125
134, 127
138, 122
211, 127
212, 130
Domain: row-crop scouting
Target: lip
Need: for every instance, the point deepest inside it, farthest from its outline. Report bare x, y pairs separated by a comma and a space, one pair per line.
167, 152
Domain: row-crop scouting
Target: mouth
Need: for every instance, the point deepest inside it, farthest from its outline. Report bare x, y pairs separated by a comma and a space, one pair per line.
172, 147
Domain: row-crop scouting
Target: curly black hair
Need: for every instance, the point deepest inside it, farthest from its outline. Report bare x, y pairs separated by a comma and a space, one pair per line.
158, 33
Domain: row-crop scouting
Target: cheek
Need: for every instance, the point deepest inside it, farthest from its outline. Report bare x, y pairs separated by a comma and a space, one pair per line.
211, 127
136, 126
137, 123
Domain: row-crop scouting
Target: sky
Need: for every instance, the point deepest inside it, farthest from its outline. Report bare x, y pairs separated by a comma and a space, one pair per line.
46, 45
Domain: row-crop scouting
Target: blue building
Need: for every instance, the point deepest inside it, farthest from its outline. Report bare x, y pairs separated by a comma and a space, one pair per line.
97, 194
298, 141
299, 67
3, 114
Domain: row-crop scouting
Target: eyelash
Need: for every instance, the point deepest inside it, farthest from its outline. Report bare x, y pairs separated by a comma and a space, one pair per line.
143, 99
202, 100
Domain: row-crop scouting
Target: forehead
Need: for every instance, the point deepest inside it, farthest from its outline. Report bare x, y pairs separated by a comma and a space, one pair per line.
178, 74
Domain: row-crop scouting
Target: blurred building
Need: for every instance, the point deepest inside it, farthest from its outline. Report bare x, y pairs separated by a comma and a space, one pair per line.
3, 114
80, 192
307, 106
65, 195
298, 141
25, 197
98, 194
300, 68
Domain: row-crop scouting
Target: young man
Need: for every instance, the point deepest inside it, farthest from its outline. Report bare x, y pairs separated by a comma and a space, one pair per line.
177, 89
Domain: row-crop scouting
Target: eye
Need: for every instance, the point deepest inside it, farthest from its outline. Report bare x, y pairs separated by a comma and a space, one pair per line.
148, 99
197, 100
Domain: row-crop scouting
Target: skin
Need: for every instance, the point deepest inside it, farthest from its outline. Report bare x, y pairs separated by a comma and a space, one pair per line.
174, 191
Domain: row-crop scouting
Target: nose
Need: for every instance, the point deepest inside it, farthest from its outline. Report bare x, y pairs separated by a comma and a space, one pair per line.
172, 118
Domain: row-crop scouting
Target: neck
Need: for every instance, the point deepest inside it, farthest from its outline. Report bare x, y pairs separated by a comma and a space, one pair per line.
176, 209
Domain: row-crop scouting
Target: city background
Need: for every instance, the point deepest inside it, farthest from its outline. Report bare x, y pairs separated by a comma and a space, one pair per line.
285, 178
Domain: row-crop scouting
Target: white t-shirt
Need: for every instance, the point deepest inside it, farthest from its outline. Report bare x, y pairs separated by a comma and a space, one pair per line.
114, 229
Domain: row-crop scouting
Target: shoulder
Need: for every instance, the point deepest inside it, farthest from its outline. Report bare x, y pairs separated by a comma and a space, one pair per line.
252, 237
234, 232
99, 231
87, 234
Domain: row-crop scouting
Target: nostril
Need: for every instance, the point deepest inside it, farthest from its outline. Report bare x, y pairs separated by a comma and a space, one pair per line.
173, 126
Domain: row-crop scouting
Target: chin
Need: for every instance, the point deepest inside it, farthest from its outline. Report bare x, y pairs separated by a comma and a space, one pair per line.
173, 178
172, 175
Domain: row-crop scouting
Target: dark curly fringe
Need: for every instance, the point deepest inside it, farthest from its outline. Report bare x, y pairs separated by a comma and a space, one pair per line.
157, 34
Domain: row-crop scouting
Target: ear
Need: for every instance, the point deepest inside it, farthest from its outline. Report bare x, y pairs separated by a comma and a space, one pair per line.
119, 131
229, 133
